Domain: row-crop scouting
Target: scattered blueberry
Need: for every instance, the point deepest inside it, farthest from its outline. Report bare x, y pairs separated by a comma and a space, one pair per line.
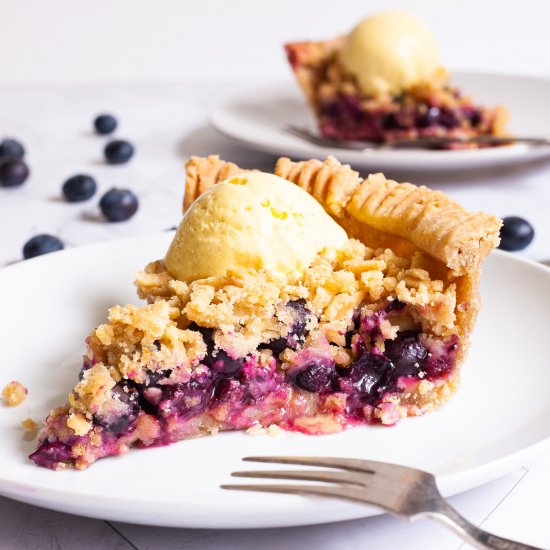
118, 151
13, 173
118, 205
41, 244
105, 124
11, 149
79, 188
516, 234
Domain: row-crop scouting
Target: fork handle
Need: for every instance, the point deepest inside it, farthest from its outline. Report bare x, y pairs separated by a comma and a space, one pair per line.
472, 534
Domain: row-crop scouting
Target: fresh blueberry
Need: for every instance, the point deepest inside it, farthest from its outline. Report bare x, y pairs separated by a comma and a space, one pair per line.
315, 376
407, 354
516, 234
11, 149
13, 173
105, 124
79, 188
41, 244
118, 151
118, 205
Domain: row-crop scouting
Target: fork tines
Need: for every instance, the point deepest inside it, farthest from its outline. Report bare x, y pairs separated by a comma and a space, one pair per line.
350, 482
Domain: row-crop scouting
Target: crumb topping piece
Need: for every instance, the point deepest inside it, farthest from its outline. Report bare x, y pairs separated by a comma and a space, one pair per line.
14, 393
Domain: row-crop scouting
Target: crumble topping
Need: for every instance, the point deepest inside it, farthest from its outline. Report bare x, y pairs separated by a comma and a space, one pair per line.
31, 429
14, 393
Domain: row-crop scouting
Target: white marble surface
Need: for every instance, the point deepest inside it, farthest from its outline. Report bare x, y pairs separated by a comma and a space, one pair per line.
167, 124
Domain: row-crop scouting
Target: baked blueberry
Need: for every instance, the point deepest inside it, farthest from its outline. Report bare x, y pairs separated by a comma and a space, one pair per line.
105, 124
316, 376
118, 151
118, 205
407, 354
13, 173
41, 244
364, 375
51, 454
220, 362
297, 331
11, 149
429, 118
79, 188
516, 234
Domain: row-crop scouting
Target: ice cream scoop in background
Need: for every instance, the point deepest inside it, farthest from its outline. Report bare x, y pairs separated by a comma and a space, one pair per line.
390, 52
251, 221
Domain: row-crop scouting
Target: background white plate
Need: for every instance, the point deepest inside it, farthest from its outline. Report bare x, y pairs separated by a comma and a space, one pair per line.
500, 416
256, 118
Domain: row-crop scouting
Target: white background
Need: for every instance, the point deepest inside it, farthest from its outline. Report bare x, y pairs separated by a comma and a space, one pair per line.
91, 40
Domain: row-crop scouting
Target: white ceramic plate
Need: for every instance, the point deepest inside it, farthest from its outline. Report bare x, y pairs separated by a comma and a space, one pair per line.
256, 118
499, 418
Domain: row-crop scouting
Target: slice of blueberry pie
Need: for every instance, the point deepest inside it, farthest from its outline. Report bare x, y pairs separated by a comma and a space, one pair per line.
383, 81
313, 307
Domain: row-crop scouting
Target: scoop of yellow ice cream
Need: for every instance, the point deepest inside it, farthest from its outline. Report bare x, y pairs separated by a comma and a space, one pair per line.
252, 221
390, 52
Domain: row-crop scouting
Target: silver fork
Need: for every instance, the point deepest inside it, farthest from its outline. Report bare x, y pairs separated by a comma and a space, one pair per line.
423, 143
405, 492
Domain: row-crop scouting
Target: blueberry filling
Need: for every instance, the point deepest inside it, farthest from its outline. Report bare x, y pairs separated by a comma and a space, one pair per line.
440, 360
185, 400
316, 376
407, 354
49, 455
345, 118
297, 332
365, 376
122, 422
240, 391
